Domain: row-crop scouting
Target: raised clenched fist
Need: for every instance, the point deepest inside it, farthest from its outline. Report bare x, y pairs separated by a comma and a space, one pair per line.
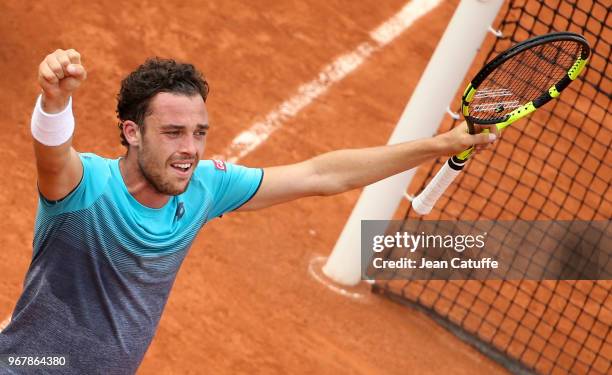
59, 74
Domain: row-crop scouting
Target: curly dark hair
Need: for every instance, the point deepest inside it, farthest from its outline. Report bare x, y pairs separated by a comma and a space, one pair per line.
154, 76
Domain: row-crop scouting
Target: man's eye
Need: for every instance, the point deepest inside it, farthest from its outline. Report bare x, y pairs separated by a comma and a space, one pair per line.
200, 133
173, 133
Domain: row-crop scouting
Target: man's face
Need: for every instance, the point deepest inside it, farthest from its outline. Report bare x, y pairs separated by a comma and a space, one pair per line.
173, 140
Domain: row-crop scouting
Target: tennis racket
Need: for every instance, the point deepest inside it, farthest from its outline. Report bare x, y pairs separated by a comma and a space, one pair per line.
511, 86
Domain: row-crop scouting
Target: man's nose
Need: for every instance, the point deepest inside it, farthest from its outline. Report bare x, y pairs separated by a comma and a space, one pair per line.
188, 145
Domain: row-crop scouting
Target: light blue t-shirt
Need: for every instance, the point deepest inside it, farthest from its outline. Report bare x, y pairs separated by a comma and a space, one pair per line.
104, 264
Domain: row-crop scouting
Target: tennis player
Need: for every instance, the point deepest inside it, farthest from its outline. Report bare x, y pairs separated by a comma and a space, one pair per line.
111, 234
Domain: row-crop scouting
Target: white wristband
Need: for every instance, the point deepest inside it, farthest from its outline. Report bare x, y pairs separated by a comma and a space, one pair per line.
52, 129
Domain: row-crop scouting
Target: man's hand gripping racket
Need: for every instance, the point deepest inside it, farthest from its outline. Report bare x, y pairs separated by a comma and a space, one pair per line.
511, 86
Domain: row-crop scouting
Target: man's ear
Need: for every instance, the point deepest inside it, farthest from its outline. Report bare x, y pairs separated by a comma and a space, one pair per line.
132, 133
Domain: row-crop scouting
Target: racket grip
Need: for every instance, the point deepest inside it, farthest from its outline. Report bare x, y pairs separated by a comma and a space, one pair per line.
425, 201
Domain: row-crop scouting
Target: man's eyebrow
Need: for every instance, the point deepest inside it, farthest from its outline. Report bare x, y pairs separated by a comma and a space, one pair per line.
177, 126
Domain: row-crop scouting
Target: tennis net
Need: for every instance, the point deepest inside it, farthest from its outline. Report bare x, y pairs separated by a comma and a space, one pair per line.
555, 165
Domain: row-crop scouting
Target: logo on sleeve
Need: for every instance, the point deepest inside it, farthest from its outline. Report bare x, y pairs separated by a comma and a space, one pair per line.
220, 165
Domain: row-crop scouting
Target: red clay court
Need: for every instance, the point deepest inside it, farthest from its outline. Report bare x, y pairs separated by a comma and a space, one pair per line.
243, 302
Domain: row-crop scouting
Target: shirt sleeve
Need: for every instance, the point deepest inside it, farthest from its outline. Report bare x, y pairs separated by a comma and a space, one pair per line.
231, 185
92, 184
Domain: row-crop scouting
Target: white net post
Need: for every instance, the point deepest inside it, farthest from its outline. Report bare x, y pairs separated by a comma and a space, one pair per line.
420, 119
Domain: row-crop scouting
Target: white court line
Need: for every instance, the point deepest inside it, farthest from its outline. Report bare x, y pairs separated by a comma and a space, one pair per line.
256, 134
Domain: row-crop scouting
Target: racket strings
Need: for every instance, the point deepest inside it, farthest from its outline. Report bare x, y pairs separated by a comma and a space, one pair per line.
532, 73
523, 78
529, 75
553, 67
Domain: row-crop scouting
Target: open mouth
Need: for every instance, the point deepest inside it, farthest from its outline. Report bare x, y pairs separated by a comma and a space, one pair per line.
182, 168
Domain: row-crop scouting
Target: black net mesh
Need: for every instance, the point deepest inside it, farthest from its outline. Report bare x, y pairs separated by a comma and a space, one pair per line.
554, 165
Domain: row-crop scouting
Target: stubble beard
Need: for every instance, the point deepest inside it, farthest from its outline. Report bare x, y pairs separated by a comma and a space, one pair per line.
155, 175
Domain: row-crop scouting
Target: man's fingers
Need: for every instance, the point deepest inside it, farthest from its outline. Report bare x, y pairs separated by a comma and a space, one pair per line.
61, 72
459, 139
63, 59
484, 138
76, 71
486, 134
74, 56
62, 64
489, 138
47, 74
55, 66
493, 129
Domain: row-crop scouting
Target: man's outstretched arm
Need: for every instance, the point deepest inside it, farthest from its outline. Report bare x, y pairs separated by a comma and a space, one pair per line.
58, 165
339, 171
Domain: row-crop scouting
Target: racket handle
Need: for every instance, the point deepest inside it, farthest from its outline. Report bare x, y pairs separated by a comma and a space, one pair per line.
425, 201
